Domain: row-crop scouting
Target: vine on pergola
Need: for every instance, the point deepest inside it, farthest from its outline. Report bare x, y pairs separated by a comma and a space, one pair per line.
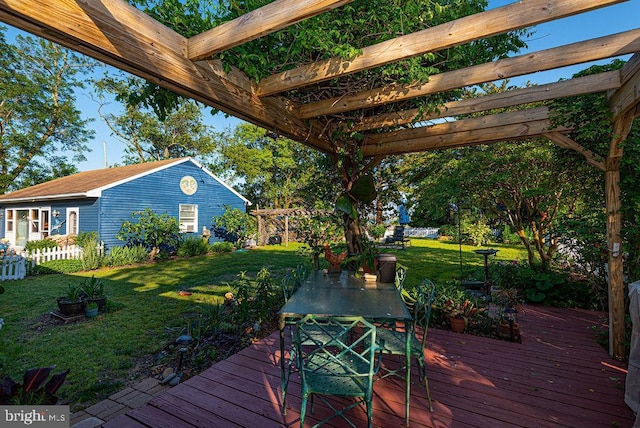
342, 33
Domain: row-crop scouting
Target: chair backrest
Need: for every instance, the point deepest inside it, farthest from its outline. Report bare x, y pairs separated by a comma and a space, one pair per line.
398, 233
299, 275
346, 348
292, 281
401, 274
288, 286
422, 307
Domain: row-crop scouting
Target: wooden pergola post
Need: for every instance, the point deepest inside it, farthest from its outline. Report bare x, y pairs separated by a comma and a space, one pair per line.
286, 230
621, 129
260, 230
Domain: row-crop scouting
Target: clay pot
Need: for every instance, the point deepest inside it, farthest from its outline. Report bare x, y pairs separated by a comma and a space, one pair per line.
458, 324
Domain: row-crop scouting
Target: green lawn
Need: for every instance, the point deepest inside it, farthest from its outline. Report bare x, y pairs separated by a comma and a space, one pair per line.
146, 313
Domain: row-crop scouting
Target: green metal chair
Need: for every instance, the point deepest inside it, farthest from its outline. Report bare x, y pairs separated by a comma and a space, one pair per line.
407, 298
393, 341
401, 275
290, 284
336, 365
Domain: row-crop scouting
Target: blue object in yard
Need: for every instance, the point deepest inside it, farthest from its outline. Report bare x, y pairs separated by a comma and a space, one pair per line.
403, 215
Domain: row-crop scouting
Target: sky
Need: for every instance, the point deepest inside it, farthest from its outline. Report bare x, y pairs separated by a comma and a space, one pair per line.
601, 22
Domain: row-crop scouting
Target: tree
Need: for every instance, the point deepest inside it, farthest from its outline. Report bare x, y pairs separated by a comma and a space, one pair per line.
234, 226
156, 232
42, 134
272, 171
342, 33
590, 116
150, 134
315, 231
519, 183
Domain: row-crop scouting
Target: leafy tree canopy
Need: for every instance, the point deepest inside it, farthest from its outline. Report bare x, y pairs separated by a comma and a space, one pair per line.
42, 134
273, 171
149, 133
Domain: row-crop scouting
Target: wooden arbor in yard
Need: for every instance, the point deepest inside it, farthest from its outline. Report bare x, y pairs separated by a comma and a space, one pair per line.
120, 35
264, 216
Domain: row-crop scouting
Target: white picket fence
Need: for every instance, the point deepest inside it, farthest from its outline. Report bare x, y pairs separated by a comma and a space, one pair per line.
56, 253
14, 263
13, 266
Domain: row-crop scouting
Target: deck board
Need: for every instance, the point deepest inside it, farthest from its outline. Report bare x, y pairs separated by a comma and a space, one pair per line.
557, 376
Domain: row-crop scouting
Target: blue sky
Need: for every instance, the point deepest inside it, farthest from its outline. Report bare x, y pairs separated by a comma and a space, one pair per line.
601, 22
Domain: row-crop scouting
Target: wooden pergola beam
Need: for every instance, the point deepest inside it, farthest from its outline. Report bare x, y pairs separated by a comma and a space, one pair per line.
627, 98
449, 140
566, 88
482, 122
478, 130
575, 53
485, 24
561, 140
260, 22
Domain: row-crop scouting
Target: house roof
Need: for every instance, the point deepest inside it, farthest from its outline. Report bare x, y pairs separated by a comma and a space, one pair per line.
91, 183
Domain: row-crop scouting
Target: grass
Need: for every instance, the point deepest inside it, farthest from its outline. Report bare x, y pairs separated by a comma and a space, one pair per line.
145, 311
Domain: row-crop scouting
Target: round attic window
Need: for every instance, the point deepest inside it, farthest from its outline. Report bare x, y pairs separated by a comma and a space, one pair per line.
188, 185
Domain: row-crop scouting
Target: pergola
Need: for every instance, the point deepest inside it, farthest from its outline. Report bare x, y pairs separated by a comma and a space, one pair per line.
118, 34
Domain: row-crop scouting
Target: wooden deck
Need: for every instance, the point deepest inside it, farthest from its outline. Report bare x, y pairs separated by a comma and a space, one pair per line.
558, 377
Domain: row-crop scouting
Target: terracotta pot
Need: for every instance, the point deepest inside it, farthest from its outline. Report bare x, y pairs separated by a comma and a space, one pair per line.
458, 324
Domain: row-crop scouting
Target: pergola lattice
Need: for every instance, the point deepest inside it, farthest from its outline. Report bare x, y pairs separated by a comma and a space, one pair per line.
120, 35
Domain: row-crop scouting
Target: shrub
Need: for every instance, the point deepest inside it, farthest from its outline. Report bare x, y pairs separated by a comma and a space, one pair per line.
234, 225
85, 239
58, 266
39, 245
507, 236
377, 231
476, 232
549, 288
122, 256
221, 247
157, 232
91, 258
193, 246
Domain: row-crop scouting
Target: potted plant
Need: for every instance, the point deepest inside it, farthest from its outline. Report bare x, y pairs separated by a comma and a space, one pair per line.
459, 313
73, 302
509, 300
91, 310
365, 262
94, 290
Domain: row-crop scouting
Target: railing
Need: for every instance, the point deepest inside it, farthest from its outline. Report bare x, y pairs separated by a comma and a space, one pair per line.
12, 266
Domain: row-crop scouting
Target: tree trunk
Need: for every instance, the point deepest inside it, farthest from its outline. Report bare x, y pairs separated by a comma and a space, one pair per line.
352, 234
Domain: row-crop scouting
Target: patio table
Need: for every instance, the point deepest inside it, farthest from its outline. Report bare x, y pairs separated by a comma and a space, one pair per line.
345, 295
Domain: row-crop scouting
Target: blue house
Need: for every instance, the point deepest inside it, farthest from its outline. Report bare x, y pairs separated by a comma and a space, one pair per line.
100, 200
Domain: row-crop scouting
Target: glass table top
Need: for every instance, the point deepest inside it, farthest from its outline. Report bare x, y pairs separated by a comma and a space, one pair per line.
345, 295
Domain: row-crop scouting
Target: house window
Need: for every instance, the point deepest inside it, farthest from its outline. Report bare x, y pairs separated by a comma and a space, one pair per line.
72, 221
188, 218
34, 218
44, 222
9, 214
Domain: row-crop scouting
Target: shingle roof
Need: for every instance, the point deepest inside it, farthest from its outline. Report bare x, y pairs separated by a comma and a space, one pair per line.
79, 184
